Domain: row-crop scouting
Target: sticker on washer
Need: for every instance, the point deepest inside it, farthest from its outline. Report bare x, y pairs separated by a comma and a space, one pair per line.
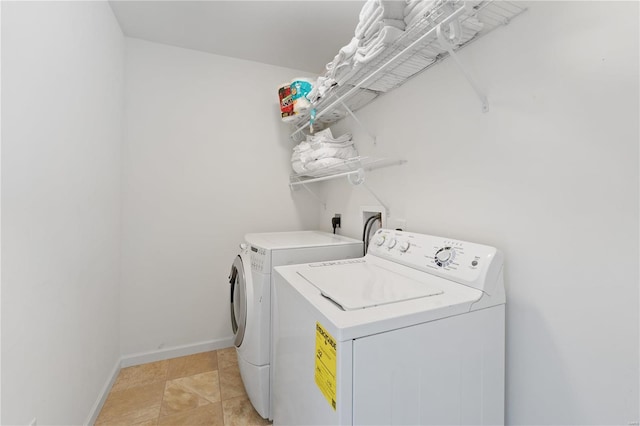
325, 374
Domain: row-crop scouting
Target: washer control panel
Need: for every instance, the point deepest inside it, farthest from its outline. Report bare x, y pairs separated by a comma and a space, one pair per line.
258, 256
460, 261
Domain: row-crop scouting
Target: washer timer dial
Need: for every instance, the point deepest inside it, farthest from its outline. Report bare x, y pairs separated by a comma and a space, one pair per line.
445, 256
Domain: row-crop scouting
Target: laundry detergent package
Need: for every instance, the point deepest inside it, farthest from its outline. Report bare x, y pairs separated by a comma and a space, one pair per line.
300, 88
286, 102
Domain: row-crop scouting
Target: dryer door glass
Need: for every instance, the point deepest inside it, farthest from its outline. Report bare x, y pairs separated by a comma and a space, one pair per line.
238, 300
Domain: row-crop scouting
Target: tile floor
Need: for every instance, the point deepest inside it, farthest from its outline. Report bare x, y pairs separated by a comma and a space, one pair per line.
201, 389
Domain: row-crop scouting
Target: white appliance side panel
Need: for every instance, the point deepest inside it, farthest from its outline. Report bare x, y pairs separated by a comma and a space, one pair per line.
346, 250
315, 254
449, 371
256, 382
297, 400
255, 347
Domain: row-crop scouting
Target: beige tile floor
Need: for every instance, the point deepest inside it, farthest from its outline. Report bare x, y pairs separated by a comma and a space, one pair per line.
201, 389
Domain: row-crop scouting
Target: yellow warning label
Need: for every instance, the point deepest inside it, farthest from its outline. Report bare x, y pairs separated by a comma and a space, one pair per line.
326, 364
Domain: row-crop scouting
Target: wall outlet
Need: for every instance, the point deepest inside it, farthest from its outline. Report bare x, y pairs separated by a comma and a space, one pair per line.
335, 222
33, 422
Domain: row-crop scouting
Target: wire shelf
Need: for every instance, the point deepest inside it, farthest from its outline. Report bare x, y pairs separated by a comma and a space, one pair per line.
348, 167
415, 51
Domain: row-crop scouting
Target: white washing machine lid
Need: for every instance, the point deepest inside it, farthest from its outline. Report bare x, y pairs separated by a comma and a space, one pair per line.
297, 239
358, 284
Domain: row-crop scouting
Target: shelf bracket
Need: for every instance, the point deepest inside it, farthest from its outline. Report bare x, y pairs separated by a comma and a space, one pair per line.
444, 39
320, 200
372, 136
357, 179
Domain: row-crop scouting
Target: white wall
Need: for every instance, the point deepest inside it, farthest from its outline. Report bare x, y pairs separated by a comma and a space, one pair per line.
205, 162
0, 216
550, 176
62, 80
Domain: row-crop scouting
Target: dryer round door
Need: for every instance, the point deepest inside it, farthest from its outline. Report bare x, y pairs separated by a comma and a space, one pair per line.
238, 282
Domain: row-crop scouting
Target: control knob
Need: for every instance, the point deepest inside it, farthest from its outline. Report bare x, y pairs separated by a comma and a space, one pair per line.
380, 240
404, 246
443, 254
392, 243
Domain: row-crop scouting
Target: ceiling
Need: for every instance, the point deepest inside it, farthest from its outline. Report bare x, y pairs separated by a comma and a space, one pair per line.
298, 34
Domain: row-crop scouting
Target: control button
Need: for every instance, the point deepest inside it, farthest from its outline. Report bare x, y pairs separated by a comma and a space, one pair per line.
380, 240
443, 254
243, 246
404, 246
474, 263
392, 243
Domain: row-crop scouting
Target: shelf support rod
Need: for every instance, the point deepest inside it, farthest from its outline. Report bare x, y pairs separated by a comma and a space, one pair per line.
320, 200
446, 45
364, 129
386, 208
320, 179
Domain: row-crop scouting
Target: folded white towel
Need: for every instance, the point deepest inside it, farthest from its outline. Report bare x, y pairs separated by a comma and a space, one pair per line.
411, 4
413, 14
314, 167
320, 151
370, 19
376, 27
342, 71
325, 136
393, 9
372, 49
377, 10
367, 9
329, 152
301, 147
398, 23
385, 36
298, 167
320, 89
331, 144
344, 54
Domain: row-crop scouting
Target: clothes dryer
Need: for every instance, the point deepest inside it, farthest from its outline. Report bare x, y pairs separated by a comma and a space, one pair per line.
411, 334
251, 284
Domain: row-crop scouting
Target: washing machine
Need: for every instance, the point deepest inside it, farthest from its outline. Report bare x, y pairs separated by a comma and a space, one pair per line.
250, 288
413, 333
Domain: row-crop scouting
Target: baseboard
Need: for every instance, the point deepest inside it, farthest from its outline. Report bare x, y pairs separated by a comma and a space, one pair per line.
176, 351
102, 397
145, 357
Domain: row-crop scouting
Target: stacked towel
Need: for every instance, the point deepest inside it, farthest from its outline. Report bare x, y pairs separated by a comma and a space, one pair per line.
381, 24
416, 10
320, 151
375, 11
320, 89
374, 46
342, 61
